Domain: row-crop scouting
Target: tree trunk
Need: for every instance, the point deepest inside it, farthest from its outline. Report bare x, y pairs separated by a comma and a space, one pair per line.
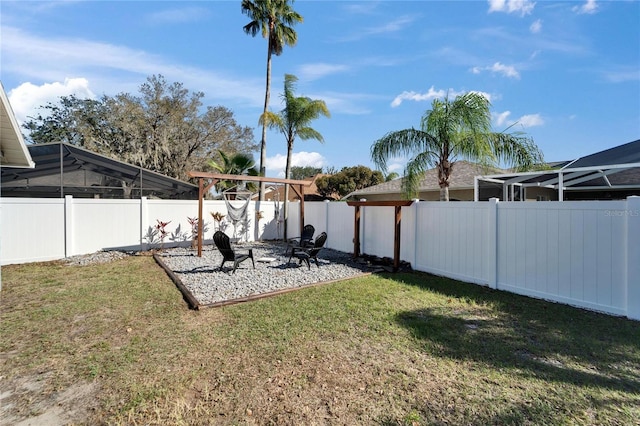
263, 141
444, 193
287, 173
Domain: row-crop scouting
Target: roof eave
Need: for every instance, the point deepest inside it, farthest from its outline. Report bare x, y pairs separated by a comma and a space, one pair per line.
13, 150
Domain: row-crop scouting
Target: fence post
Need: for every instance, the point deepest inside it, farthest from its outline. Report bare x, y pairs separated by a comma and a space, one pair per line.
144, 221
492, 243
68, 226
326, 224
362, 229
416, 237
633, 257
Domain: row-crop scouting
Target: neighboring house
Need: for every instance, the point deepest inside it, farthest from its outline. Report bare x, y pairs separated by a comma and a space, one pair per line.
273, 193
13, 150
612, 174
63, 169
460, 185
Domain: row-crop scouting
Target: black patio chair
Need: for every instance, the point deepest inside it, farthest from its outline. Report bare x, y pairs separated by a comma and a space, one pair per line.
223, 243
303, 254
306, 239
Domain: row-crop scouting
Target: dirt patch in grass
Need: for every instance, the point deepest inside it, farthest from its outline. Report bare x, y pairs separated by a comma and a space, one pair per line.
34, 400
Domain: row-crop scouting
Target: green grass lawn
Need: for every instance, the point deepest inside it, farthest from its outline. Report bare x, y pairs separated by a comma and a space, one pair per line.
116, 344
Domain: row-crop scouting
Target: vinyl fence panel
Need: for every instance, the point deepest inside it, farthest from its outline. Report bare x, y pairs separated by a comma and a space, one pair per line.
573, 252
453, 240
33, 229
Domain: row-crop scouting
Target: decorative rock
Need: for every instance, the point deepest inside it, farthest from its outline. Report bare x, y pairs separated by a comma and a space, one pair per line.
202, 277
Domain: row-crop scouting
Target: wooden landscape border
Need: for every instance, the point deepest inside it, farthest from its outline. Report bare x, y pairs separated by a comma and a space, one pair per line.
196, 305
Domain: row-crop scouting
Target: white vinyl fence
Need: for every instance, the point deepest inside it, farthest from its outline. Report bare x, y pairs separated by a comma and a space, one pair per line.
581, 253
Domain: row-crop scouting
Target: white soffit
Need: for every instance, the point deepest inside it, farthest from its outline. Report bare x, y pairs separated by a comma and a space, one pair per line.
13, 151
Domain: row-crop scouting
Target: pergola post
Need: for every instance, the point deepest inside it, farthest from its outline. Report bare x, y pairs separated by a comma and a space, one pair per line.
396, 238
396, 228
216, 177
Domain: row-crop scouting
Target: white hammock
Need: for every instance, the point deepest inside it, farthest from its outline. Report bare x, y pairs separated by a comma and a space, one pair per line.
237, 213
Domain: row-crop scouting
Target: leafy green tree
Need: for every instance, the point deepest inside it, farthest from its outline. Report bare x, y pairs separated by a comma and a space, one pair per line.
235, 164
274, 19
391, 176
163, 129
458, 129
63, 122
294, 121
349, 179
299, 173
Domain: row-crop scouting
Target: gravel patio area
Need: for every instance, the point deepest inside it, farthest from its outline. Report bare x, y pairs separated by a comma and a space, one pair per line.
201, 276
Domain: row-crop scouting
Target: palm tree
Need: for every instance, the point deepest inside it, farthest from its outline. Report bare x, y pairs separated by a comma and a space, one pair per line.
294, 121
236, 164
274, 19
451, 130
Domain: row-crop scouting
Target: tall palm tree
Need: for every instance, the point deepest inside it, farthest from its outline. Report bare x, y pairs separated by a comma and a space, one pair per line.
236, 164
451, 130
294, 121
274, 19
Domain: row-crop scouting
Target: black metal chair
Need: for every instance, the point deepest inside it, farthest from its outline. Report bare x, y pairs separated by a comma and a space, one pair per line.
223, 243
303, 254
306, 239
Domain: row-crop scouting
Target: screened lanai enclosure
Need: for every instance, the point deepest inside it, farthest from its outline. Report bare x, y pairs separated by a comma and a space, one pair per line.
612, 174
63, 169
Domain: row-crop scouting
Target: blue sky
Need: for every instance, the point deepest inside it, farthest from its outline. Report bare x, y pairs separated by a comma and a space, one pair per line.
566, 73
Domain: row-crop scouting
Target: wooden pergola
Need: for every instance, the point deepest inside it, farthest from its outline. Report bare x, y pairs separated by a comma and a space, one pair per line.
213, 178
397, 222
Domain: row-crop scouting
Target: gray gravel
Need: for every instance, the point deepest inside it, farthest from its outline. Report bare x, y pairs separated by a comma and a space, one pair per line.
200, 275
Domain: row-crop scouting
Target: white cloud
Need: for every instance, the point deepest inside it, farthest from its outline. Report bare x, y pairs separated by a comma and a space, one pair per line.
276, 165
524, 7
319, 70
529, 120
26, 98
589, 8
536, 27
415, 96
498, 68
506, 70
431, 94
396, 165
500, 119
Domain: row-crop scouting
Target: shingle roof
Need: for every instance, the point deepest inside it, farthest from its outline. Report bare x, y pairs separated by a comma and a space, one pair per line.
461, 178
627, 153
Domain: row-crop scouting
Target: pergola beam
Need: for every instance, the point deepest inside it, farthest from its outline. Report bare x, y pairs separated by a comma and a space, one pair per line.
214, 178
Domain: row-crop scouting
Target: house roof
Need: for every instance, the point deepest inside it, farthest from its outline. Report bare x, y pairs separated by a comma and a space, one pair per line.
86, 174
623, 154
13, 151
462, 177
